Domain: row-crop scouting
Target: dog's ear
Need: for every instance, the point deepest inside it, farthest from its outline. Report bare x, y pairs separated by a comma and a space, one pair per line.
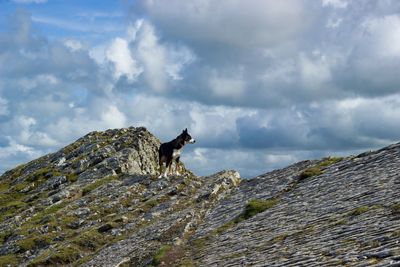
185, 131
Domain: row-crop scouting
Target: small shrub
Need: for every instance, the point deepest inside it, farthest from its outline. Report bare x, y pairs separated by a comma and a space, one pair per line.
256, 206
312, 171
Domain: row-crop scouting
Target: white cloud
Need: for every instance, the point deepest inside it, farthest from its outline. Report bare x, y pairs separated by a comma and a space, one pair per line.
315, 71
160, 62
73, 44
335, 3
383, 35
153, 57
124, 65
255, 82
14, 149
238, 23
27, 84
112, 117
228, 87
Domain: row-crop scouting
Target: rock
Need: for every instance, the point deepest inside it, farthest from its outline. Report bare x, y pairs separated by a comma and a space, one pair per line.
379, 255
104, 187
82, 212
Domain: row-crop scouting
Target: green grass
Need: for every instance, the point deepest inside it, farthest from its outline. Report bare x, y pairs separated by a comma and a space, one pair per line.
34, 242
358, 211
151, 203
279, 238
90, 240
395, 209
158, 258
4, 186
6, 260
21, 186
316, 170
9, 205
63, 256
256, 206
330, 161
72, 177
310, 172
89, 188
4, 235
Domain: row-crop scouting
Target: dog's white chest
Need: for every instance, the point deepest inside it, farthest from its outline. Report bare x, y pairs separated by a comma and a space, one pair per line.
176, 153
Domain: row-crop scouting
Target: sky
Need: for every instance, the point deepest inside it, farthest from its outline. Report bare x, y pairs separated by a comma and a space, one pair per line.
259, 84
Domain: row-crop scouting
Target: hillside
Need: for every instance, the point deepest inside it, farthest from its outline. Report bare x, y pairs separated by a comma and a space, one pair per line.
98, 202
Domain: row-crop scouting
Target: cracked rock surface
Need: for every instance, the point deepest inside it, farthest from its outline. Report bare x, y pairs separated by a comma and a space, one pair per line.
98, 202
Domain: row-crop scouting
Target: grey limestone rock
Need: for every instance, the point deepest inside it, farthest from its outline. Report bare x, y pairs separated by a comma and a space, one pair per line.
99, 202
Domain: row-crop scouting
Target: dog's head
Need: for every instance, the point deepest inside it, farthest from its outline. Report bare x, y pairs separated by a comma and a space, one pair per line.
186, 137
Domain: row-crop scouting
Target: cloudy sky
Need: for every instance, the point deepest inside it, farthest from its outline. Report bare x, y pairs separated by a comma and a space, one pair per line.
259, 83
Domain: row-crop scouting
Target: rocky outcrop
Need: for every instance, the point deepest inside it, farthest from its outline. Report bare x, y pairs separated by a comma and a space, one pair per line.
98, 202
348, 213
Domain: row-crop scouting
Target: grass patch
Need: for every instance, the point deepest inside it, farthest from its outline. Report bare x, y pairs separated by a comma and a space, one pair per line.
72, 177
40, 216
9, 204
4, 186
279, 238
253, 207
21, 186
5, 235
395, 209
358, 211
330, 161
338, 222
256, 206
151, 203
161, 253
310, 172
6, 260
225, 227
90, 240
89, 188
63, 256
201, 243
316, 170
39, 175
34, 242
170, 256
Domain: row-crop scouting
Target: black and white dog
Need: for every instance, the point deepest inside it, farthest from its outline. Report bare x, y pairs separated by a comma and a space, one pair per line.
171, 151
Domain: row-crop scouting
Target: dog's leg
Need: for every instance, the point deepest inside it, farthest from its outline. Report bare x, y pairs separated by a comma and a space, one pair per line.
168, 167
177, 166
161, 161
